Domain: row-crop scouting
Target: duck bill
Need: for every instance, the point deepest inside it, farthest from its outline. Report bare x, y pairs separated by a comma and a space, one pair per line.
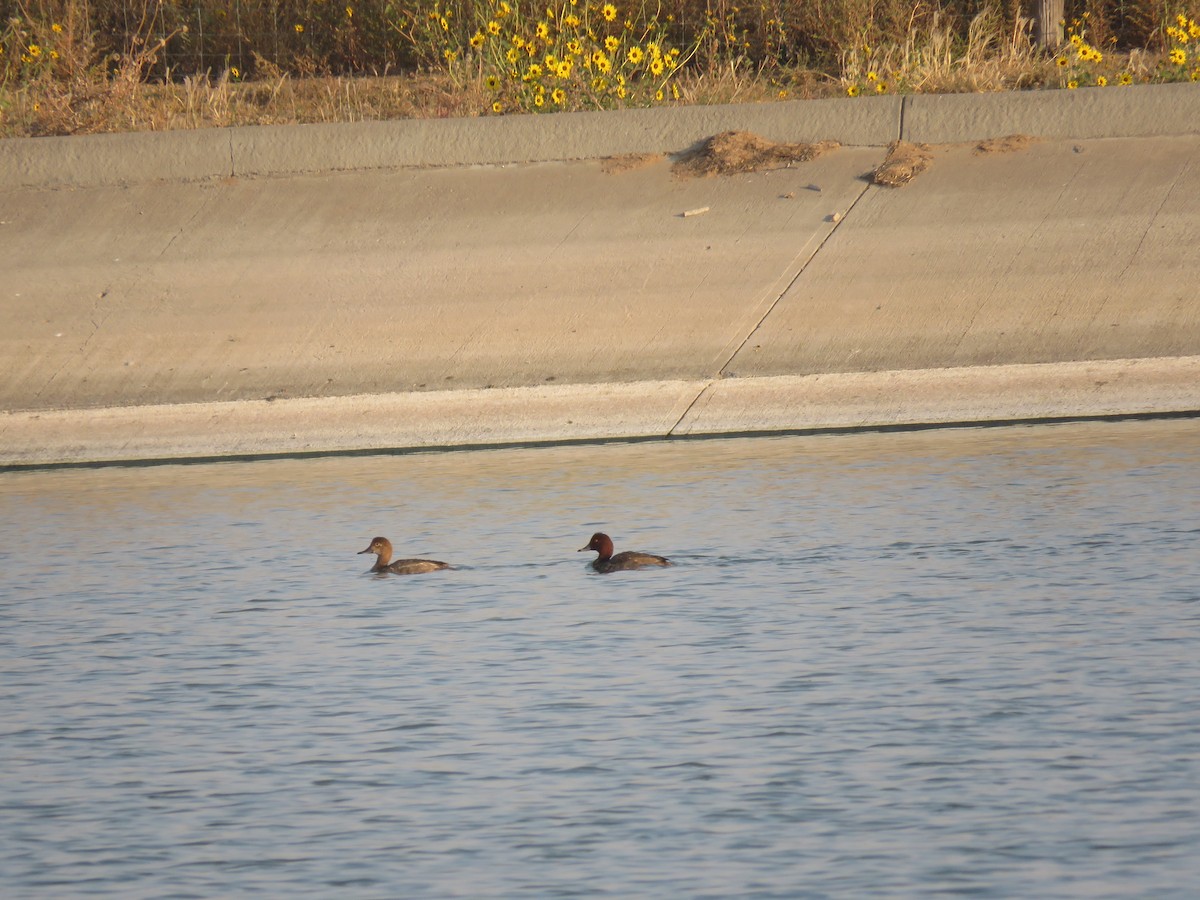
581, 549
361, 552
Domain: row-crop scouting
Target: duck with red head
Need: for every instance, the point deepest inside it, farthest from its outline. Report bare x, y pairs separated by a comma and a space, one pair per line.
629, 559
382, 548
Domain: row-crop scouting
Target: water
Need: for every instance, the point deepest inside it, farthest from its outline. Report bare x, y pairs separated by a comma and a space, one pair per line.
957, 662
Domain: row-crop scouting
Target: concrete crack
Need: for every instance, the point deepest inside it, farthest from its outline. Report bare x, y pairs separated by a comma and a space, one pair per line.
206, 199
1154, 218
1015, 258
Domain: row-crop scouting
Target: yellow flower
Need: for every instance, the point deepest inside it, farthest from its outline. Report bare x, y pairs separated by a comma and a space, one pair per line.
658, 95
611, 43
600, 61
492, 83
493, 27
503, 10
1178, 57
599, 84
609, 12
234, 72
539, 99
497, 107
1076, 40
1182, 20
1071, 85
571, 21
450, 55
881, 87
477, 39
871, 76
1195, 75
564, 69
783, 95
512, 55
1101, 81
1097, 56
551, 61
1194, 30
559, 96
575, 48
349, 12
657, 66
1125, 78
35, 51
56, 28
674, 92
299, 28
635, 55
542, 31
852, 91
533, 72
621, 92
1062, 62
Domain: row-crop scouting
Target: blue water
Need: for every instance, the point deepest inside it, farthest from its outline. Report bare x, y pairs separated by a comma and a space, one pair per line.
956, 662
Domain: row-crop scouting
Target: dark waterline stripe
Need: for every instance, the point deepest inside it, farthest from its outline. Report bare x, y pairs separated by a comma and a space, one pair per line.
900, 428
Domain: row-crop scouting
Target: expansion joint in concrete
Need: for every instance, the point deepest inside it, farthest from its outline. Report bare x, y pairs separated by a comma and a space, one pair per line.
722, 370
674, 429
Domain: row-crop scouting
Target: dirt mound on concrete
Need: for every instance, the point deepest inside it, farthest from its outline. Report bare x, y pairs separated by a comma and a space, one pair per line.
1008, 144
614, 165
904, 162
734, 152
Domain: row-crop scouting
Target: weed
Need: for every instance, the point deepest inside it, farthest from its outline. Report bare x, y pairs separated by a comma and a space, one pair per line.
73, 66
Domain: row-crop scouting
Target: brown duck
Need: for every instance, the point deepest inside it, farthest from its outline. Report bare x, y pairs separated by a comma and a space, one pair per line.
629, 559
382, 548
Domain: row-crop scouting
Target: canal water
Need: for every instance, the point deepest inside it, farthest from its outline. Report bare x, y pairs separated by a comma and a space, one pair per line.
959, 662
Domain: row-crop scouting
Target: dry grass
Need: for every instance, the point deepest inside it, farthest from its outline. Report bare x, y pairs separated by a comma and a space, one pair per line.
904, 162
933, 59
203, 103
734, 152
107, 105
83, 79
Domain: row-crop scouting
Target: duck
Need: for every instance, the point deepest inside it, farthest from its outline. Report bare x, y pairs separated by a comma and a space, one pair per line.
382, 548
629, 559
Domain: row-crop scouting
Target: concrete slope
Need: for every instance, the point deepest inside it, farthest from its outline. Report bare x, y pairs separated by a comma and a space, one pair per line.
407, 280
1054, 252
382, 307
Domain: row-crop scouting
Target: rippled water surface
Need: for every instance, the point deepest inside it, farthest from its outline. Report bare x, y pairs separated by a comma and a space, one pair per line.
958, 662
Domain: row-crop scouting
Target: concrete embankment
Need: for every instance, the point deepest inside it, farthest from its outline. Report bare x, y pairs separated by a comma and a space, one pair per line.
480, 282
